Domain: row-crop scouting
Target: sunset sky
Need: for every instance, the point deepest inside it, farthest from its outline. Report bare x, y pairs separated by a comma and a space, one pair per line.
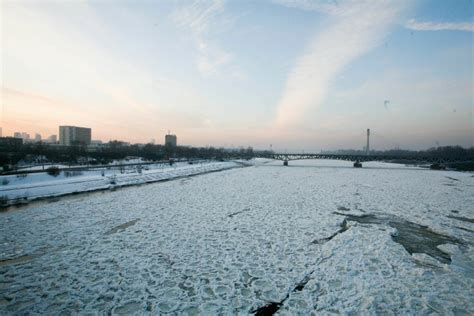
297, 74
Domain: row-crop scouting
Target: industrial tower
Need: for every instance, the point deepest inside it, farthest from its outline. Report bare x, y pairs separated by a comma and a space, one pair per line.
367, 148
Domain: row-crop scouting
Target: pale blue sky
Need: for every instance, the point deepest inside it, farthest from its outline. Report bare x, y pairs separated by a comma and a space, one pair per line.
297, 74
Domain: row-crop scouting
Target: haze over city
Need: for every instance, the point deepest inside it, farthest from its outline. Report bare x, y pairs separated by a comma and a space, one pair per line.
242, 73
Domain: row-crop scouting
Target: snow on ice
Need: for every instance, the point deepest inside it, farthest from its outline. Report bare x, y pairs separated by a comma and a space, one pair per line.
317, 236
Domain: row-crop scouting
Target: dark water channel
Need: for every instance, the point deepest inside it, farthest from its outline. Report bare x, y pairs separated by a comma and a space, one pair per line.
415, 238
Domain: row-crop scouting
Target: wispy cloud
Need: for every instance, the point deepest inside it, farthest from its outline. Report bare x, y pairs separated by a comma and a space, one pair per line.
211, 57
434, 26
309, 5
200, 18
324, 6
357, 27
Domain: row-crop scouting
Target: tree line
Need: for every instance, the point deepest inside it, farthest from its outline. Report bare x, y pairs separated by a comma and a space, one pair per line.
442, 153
114, 150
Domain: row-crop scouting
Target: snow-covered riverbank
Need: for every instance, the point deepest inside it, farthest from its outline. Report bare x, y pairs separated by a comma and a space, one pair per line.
18, 189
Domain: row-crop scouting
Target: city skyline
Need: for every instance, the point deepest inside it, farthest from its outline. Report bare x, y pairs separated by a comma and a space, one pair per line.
242, 73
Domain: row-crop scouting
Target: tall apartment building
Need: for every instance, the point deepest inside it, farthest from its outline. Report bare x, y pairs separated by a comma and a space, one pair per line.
171, 140
73, 135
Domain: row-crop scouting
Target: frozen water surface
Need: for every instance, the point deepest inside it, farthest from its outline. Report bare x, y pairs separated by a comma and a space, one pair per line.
236, 241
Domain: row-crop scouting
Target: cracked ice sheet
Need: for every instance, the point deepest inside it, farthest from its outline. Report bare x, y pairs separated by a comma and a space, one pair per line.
185, 254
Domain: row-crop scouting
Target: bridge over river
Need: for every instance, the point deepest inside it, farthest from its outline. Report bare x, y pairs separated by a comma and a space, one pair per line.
359, 158
435, 161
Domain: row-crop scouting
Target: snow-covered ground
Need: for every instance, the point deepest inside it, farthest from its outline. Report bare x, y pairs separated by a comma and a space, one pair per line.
235, 241
37, 185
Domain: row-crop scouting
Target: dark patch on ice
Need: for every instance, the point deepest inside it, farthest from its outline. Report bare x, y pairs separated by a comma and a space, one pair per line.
343, 228
122, 227
149, 306
272, 307
237, 213
419, 239
366, 218
454, 211
269, 309
343, 208
413, 237
164, 258
449, 184
462, 218
25, 258
302, 284
5, 300
466, 229
454, 179
20, 259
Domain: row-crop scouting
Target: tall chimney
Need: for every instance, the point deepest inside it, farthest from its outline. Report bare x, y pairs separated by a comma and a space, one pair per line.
367, 148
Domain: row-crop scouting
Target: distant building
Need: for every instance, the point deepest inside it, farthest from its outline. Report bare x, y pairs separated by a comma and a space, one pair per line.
10, 142
171, 140
37, 137
96, 144
53, 139
22, 135
25, 136
73, 135
1, 132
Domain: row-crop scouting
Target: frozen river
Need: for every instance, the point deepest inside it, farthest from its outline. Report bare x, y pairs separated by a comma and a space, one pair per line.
315, 236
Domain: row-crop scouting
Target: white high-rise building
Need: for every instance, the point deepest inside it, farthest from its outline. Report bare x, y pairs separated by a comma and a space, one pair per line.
1, 135
72, 135
37, 137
